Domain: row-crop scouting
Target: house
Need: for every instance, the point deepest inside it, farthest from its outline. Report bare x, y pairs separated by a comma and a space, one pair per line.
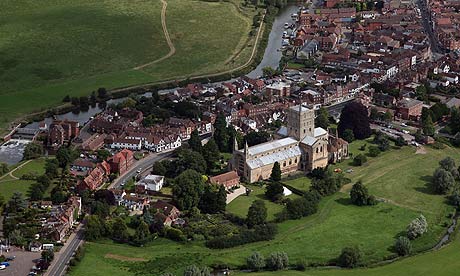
151, 182
133, 202
409, 109
125, 143
229, 180
35, 246
95, 177
166, 212
61, 132
121, 161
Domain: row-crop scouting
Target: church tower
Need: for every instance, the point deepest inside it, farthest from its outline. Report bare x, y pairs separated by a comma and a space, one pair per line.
300, 122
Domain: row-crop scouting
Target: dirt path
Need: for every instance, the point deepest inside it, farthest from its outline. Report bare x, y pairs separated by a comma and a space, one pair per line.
124, 258
12, 171
172, 49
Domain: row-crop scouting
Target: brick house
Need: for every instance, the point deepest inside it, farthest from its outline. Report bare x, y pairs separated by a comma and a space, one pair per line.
229, 180
166, 212
121, 161
95, 177
409, 109
61, 132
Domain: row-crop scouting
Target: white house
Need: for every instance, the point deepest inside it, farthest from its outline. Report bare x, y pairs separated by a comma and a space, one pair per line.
124, 143
151, 183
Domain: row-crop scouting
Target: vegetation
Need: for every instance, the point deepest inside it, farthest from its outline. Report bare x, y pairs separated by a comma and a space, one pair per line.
359, 195
417, 227
350, 257
274, 191
354, 116
256, 261
257, 214
403, 246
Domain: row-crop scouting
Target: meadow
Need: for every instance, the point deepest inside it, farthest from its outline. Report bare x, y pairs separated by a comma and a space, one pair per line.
318, 239
50, 49
11, 184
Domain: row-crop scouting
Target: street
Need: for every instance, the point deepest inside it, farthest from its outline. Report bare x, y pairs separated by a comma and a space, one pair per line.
144, 165
62, 258
393, 132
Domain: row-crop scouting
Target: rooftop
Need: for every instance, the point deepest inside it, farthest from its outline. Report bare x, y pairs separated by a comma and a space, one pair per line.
274, 157
276, 144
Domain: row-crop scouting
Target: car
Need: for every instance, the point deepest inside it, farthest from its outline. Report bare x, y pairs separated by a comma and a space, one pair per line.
32, 273
2, 267
286, 25
139, 170
404, 125
6, 264
405, 131
10, 258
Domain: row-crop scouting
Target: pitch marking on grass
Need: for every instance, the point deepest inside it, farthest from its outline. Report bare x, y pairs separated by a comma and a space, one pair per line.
172, 49
124, 258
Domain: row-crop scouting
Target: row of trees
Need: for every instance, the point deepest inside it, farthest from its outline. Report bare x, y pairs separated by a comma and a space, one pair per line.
276, 261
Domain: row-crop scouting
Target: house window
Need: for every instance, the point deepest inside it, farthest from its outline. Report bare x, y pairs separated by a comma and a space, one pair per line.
290, 162
284, 164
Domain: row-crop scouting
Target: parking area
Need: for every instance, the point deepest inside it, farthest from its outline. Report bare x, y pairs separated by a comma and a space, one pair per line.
22, 264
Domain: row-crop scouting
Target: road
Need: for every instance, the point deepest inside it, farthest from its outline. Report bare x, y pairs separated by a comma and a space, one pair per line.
393, 133
427, 24
144, 165
59, 265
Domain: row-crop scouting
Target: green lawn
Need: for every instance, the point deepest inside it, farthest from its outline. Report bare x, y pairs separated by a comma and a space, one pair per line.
302, 183
9, 185
241, 204
51, 48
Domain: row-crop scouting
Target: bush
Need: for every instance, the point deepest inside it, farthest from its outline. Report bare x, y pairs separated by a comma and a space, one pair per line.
403, 246
350, 257
374, 151
255, 262
258, 233
175, 234
274, 191
278, 261
301, 207
417, 227
359, 195
301, 265
359, 160
443, 181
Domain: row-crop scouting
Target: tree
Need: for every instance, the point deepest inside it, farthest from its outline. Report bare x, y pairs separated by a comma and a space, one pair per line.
158, 168
255, 138
36, 192
387, 117
257, 214
417, 227
195, 142
359, 160
403, 246
32, 150
211, 154
359, 195
94, 228
354, 116
256, 261
17, 203
443, 181
448, 164
103, 154
51, 168
17, 238
322, 119
65, 156
100, 208
301, 207
102, 93
213, 199
278, 261
374, 151
187, 190
196, 271
142, 233
400, 142
4, 168
269, 72
105, 196
276, 172
58, 195
348, 135
188, 159
274, 191
48, 256
350, 257
120, 230
221, 135
428, 126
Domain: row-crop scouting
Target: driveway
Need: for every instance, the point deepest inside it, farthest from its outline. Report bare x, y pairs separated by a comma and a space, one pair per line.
23, 263
236, 193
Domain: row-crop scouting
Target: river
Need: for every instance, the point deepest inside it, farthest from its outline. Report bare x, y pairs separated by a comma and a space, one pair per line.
11, 152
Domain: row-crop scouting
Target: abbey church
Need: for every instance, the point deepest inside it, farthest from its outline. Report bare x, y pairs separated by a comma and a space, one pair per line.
303, 148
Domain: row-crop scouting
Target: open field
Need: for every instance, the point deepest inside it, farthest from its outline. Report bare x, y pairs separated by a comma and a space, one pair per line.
9, 185
302, 183
55, 48
440, 263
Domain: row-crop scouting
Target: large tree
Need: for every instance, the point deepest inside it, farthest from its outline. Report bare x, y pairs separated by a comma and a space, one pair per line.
213, 199
322, 118
355, 117
428, 126
120, 230
257, 214
443, 181
188, 159
359, 195
211, 154
187, 190
221, 135
274, 191
195, 142
276, 172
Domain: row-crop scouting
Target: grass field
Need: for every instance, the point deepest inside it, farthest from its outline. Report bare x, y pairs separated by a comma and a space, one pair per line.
51, 48
320, 237
10, 185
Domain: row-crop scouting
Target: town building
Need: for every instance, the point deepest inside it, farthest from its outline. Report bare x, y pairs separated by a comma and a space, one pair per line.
229, 180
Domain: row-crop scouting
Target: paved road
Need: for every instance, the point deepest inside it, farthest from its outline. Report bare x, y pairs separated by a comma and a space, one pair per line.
393, 133
22, 264
427, 24
144, 165
59, 265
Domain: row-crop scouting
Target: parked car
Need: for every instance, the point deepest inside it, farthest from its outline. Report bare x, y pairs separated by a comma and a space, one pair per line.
6, 264
10, 258
286, 25
2, 267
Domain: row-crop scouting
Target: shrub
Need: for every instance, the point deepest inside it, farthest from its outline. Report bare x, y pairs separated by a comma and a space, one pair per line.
258, 233
359, 160
417, 227
256, 261
274, 191
175, 234
374, 151
278, 261
350, 257
359, 195
301, 265
301, 207
403, 246
443, 181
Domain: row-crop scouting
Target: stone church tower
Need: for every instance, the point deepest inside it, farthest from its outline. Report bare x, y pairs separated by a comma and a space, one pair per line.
300, 122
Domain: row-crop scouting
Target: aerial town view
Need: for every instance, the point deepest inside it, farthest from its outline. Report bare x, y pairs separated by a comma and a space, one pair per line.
229, 137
